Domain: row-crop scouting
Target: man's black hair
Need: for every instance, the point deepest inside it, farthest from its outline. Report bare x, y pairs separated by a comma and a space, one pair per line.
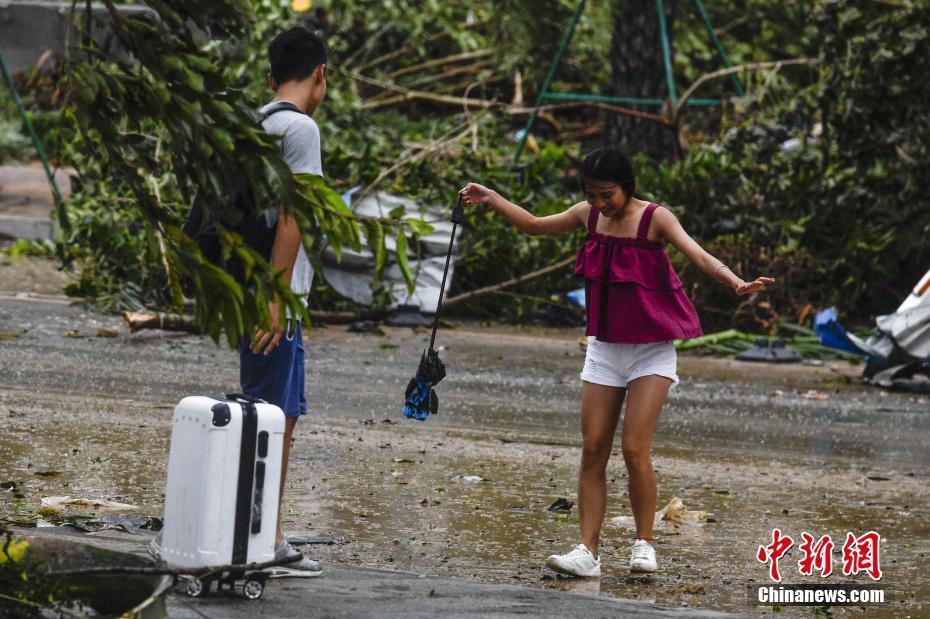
295, 54
609, 164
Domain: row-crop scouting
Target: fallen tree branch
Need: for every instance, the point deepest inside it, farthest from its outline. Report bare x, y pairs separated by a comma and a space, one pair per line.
141, 321
479, 53
406, 94
752, 66
450, 137
515, 111
468, 296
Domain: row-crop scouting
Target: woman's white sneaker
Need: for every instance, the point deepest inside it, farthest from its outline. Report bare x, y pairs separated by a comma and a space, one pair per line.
578, 562
643, 557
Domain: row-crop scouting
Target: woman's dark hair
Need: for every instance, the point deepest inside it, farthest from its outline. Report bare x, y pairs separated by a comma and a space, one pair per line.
295, 54
608, 164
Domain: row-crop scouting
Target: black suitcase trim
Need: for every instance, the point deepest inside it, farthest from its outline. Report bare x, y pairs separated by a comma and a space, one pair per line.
244, 485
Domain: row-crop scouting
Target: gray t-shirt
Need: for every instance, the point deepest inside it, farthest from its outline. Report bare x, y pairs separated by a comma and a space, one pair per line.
300, 149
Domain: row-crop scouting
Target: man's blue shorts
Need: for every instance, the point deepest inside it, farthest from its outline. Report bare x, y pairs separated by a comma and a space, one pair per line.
279, 377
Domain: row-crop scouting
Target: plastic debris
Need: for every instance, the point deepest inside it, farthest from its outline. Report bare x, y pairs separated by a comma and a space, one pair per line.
774, 351
813, 394
59, 502
560, 505
470, 479
673, 512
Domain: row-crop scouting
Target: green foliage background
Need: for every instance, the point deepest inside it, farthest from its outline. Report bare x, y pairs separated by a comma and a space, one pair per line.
816, 176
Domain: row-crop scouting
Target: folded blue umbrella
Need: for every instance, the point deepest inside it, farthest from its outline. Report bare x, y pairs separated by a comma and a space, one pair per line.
421, 400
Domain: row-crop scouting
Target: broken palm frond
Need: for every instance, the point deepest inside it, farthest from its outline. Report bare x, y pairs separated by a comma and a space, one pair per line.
732, 341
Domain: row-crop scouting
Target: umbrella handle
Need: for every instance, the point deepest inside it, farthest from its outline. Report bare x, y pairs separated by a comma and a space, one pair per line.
458, 213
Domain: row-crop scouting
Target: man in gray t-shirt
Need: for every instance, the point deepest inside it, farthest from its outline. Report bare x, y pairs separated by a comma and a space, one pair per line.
300, 149
271, 363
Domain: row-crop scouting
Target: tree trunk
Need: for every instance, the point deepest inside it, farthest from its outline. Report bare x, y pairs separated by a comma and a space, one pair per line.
638, 71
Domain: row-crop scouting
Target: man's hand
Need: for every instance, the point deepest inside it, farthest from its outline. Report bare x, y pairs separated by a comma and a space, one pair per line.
266, 341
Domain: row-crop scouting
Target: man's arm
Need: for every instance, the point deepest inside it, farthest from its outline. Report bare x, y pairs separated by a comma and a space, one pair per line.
283, 256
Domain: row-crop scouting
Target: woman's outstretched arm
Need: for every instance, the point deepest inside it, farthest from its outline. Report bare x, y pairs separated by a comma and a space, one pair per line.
670, 228
570, 219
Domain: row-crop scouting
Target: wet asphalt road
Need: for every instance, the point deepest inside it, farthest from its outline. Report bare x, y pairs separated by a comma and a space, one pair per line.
855, 460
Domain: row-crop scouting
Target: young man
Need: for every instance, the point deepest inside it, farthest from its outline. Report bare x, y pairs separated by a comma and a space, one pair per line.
272, 362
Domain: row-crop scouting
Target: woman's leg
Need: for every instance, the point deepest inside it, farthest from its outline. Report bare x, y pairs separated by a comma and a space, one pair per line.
600, 411
644, 403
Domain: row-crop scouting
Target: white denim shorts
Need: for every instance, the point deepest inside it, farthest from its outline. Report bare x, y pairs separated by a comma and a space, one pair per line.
616, 365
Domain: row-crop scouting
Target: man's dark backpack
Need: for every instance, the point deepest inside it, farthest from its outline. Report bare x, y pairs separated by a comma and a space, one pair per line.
257, 226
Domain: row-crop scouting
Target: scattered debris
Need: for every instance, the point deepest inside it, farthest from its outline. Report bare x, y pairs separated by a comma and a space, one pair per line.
766, 351
471, 479
406, 316
801, 341
673, 512
328, 540
366, 326
813, 394
49, 473
560, 505
60, 502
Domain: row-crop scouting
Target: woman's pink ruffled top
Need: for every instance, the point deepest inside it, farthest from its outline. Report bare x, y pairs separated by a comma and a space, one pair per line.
632, 293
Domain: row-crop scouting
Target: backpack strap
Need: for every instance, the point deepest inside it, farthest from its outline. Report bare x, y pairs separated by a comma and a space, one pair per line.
280, 106
645, 220
592, 219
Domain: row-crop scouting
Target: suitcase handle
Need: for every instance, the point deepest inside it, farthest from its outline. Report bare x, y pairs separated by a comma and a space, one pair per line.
241, 397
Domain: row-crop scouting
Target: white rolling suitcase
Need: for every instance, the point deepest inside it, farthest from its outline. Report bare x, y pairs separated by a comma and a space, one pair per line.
224, 474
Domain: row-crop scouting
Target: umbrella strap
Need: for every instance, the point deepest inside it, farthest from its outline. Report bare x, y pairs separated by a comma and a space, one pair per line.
457, 214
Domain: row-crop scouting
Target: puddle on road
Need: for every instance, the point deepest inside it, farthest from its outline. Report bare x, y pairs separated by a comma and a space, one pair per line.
412, 516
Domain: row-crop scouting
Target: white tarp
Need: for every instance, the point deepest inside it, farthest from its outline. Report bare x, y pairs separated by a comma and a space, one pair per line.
351, 277
909, 326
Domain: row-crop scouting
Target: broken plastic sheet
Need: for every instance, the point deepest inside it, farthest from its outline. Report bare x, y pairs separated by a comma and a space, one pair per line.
351, 276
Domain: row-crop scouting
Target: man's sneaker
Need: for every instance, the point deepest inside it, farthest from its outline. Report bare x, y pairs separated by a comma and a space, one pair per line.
578, 562
643, 557
300, 567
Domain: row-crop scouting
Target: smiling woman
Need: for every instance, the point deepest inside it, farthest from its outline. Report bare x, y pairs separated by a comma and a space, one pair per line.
636, 307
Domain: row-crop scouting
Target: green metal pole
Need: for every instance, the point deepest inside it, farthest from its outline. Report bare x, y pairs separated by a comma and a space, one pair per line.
541, 97
720, 51
666, 51
59, 202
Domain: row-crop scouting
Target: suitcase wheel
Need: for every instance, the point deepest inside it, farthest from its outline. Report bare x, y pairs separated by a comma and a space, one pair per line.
197, 588
253, 589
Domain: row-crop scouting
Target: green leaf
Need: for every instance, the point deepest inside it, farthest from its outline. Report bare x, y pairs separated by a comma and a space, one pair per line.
402, 262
